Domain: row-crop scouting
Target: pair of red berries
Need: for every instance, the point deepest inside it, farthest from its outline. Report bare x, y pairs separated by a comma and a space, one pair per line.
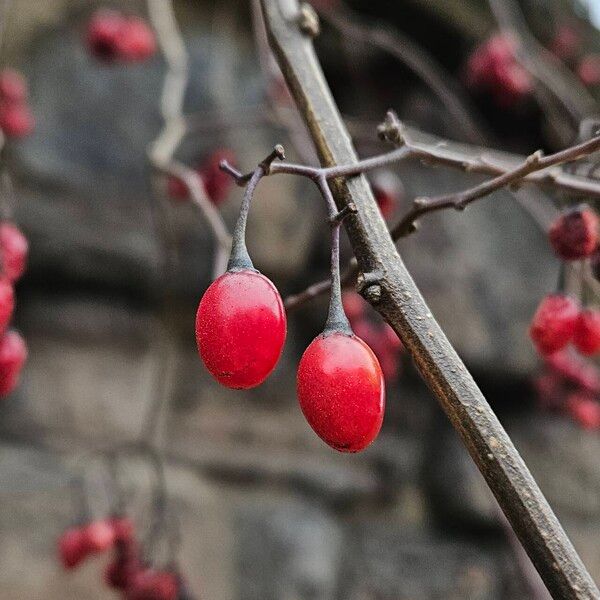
16, 120
216, 182
559, 321
241, 330
112, 36
493, 68
13, 350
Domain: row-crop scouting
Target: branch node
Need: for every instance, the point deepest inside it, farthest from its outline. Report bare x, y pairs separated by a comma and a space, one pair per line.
535, 158
420, 202
369, 285
392, 130
308, 21
278, 152
349, 209
239, 178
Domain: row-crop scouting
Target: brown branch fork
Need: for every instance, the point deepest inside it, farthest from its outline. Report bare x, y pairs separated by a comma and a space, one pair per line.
384, 280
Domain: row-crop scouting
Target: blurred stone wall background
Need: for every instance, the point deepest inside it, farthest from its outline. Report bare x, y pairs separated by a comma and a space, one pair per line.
267, 512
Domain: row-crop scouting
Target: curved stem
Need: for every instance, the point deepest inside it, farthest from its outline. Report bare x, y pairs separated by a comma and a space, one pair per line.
336, 317
240, 259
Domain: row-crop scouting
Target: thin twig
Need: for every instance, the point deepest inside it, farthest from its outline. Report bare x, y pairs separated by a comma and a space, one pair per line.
544, 67
162, 150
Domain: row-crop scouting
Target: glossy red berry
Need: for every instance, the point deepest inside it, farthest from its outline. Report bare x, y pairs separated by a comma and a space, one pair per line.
241, 328
7, 303
574, 235
341, 391
13, 354
13, 87
13, 251
553, 324
151, 584
587, 332
135, 40
584, 409
16, 120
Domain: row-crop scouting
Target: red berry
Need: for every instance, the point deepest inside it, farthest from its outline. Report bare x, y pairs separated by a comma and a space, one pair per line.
341, 391
13, 354
120, 572
588, 69
7, 303
388, 190
574, 235
123, 529
584, 409
354, 305
553, 324
135, 40
71, 548
16, 121
566, 42
13, 251
102, 32
177, 189
587, 332
216, 182
150, 584
13, 88
578, 371
98, 536
241, 328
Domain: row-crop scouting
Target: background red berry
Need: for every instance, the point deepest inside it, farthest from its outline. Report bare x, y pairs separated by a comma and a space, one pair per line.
13, 251
150, 584
16, 120
341, 391
13, 354
584, 409
71, 548
102, 31
7, 303
587, 332
135, 40
574, 235
553, 324
241, 328
13, 87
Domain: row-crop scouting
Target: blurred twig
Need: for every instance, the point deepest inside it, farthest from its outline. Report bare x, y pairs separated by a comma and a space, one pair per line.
412, 56
547, 69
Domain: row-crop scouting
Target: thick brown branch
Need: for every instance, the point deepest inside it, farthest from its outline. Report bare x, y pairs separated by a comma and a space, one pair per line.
403, 307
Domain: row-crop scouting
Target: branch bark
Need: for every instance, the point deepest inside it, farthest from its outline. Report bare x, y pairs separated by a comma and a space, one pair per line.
403, 307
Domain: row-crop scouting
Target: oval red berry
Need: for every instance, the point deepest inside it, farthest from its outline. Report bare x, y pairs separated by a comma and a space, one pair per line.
341, 391
241, 328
